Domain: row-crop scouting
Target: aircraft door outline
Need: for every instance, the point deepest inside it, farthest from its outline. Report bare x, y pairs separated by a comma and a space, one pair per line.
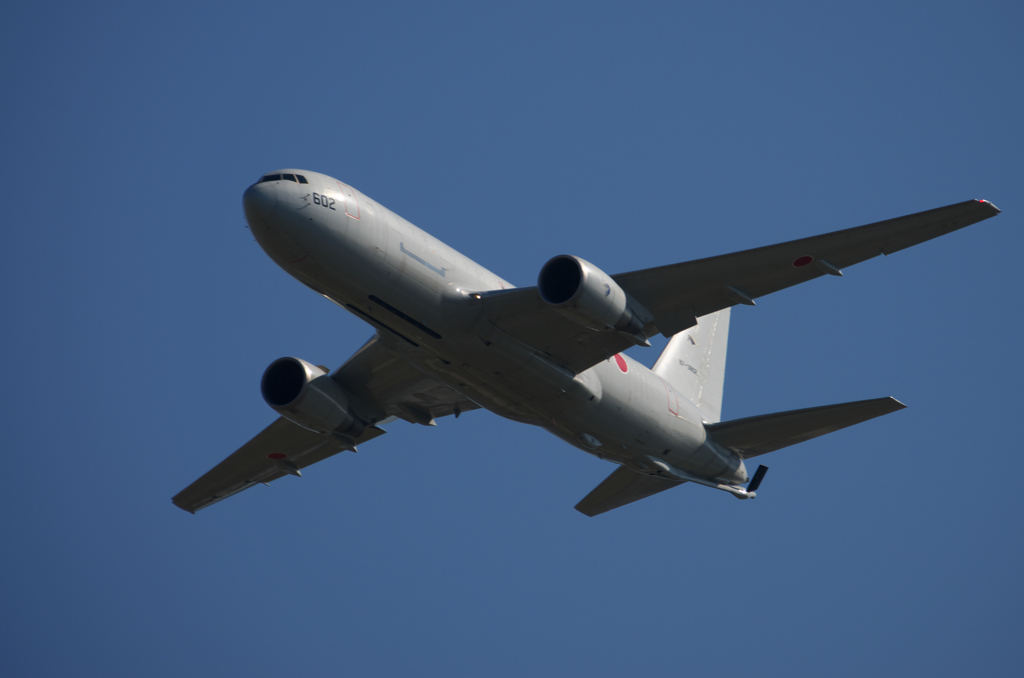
673, 398
351, 203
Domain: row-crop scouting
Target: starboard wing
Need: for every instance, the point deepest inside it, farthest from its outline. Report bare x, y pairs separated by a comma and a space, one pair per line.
523, 315
677, 294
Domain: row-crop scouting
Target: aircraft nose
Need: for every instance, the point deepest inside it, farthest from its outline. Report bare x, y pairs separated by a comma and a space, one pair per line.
259, 201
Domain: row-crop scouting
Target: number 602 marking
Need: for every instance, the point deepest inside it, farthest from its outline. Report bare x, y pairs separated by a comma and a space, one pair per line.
323, 201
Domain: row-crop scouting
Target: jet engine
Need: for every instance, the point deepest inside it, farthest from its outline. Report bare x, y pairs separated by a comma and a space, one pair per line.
306, 395
587, 295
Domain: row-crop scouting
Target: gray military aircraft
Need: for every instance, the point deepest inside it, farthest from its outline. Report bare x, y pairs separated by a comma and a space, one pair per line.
452, 337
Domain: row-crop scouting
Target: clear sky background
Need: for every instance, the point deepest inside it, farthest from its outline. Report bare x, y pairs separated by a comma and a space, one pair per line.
138, 316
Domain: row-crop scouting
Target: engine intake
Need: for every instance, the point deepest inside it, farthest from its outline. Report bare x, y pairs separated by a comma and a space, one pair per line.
306, 395
587, 295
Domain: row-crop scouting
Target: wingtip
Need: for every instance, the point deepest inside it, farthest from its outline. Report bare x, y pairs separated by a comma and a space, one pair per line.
182, 507
897, 404
989, 203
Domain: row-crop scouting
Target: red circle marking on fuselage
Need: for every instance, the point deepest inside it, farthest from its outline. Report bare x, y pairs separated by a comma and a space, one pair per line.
621, 362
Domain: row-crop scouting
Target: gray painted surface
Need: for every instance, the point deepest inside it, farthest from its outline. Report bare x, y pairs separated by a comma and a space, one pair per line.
454, 336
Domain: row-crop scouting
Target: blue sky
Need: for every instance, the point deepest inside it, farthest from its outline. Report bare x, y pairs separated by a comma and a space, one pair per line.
139, 315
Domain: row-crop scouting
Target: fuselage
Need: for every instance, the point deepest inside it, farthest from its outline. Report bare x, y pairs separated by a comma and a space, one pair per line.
422, 297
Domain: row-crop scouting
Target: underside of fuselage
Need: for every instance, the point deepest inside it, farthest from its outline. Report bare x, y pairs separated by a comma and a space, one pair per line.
423, 298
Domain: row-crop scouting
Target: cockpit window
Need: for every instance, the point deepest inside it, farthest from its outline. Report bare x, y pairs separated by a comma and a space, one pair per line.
297, 178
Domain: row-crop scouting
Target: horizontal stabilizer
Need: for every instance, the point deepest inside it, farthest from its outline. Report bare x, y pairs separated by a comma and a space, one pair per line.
754, 436
620, 488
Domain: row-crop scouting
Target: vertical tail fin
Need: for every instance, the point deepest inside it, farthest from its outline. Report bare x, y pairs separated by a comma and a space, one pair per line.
694, 363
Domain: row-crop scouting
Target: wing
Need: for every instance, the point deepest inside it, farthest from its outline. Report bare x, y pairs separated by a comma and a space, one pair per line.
620, 488
383, 384
380, 378
522, 314
678, 294
252, 462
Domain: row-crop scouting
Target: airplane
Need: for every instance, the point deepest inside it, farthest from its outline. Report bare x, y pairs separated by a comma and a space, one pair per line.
451, 337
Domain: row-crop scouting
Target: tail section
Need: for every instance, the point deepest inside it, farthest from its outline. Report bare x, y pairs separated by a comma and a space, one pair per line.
754, 436
620, 488
694, 363
747, 438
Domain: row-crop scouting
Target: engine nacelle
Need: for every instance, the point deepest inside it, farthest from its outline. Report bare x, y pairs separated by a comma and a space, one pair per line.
306, 395
587, 295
